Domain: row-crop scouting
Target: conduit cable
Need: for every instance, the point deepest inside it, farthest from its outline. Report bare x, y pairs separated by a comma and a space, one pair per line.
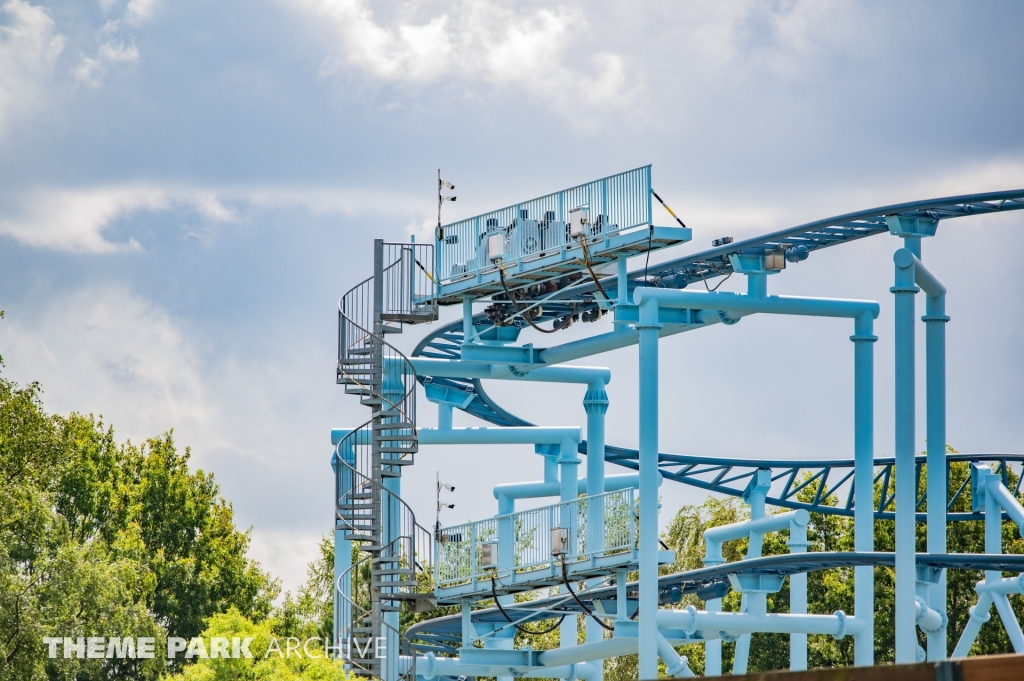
519, 310
519, 627
588, 611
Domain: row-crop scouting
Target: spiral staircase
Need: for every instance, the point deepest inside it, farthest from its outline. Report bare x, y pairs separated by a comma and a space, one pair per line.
371, 458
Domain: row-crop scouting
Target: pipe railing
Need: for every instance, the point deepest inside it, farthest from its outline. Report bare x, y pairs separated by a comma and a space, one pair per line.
533, 229
459, 553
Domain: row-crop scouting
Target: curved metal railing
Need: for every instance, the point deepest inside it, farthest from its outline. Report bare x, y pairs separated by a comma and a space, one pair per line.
362, 351
399, 548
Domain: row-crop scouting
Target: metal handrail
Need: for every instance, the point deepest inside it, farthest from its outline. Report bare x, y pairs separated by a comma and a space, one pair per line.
410, 673
458, 549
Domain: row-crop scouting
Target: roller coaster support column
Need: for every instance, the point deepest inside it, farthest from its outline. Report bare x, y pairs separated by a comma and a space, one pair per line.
467, 319
568, 461
596, 405
798, 598
863, 479
622, 280
757, 490
910, 273
938, 481
648, 328
911, 230
906, 478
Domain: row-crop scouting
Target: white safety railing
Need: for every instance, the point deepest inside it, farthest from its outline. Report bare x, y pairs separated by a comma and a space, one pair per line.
540, 227
459, 549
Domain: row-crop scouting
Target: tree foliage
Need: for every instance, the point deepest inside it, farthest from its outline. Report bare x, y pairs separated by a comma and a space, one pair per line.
100, 538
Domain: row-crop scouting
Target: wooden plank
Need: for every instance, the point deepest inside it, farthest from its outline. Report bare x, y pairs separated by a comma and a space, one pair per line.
982, 668
992, 668
901, 672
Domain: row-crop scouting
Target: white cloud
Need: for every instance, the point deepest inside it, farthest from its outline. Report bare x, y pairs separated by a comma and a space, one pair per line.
479, 42
79, 219
139, 11
91, 70
783, 40
286, 554
104, 348
29, 48
76, 219
415, 53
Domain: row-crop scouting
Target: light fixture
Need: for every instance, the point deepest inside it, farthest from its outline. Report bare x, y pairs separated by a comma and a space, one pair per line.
441, 198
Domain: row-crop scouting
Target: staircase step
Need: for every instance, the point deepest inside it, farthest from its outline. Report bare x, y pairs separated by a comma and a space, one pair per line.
393, 425
364, 533
357, 359
362, 536
395, 571
407, 584
359, 351
406, 596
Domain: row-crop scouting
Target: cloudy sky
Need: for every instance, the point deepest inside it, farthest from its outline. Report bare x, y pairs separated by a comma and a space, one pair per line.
186, 188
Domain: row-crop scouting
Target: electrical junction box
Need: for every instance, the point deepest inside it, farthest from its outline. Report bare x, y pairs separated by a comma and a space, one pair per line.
579, 218
496, 246
489, 554
559, 541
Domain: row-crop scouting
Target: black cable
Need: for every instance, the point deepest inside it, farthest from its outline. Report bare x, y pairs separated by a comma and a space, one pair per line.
588, 611
519, 311
521, 628
586, 261
701, 273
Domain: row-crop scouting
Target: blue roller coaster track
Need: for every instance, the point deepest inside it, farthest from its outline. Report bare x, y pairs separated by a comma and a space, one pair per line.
831, 479
816, 486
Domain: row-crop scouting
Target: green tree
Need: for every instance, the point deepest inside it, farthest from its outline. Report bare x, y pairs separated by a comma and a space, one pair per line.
271, 659
102, 538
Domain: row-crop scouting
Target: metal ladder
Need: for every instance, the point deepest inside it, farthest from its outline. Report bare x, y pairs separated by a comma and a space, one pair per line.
401, 291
